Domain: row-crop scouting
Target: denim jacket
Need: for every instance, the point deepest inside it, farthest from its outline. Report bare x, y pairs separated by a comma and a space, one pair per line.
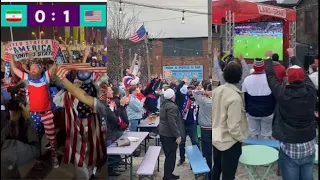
134, 108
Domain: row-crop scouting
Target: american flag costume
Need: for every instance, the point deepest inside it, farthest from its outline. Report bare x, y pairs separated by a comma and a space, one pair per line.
84, 142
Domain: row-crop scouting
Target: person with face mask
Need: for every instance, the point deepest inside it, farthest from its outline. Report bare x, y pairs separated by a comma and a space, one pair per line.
40, 105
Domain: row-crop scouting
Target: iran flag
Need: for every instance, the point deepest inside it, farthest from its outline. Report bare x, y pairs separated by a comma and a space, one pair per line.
13, 16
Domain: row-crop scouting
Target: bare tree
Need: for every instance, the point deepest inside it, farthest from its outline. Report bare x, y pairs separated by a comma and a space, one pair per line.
120, 27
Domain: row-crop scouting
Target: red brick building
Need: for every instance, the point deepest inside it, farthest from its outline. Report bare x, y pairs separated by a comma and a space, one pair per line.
180, 51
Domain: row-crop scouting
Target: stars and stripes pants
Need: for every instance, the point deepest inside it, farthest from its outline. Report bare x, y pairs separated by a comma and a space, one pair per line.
43, 122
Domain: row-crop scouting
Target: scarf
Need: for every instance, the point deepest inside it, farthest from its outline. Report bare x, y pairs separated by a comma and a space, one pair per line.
188, 104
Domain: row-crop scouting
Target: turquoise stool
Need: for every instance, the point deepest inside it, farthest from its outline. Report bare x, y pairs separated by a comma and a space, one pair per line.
258, 155
199, 135
316, 158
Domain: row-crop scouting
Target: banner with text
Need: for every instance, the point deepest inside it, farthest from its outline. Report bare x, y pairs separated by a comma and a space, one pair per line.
43, 48
180, 72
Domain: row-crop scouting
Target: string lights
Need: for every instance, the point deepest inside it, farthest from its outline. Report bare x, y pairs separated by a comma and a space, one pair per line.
120, 9
182, 21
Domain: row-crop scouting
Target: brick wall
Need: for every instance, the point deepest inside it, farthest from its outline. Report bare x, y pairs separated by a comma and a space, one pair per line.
158, 61
310, 39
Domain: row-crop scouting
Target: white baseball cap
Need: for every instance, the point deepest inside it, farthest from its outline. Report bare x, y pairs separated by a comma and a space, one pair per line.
168, 94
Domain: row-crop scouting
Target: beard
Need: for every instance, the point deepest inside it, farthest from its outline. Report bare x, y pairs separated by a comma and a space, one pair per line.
34, 75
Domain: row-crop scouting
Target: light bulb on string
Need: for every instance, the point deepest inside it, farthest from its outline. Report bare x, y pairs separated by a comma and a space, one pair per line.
182, 21
120, 9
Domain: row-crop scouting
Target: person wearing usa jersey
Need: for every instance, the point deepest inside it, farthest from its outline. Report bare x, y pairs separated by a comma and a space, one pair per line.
129, 79
38, 97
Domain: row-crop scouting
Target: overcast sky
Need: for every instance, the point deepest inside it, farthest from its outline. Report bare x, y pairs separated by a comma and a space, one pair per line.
168, 23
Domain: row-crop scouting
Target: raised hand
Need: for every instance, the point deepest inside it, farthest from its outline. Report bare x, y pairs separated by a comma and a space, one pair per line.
290, 52
87, 51
186, 80
216, 52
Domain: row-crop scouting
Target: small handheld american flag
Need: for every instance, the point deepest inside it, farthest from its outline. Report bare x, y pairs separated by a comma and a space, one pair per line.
138, 35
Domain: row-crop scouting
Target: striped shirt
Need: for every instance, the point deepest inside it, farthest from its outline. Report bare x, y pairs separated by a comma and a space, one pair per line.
298, 150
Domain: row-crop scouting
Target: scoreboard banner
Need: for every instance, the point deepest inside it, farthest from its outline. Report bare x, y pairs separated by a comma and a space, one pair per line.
53, 15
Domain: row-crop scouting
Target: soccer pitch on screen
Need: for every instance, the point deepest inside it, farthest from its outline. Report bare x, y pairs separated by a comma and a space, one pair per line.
256, 46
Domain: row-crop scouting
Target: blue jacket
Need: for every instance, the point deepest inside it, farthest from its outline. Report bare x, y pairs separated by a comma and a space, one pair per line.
134, 108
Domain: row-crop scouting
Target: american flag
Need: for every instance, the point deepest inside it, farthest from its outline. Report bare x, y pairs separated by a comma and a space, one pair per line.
92, 16
84, 143
7, 56
56, 48
138, 35
64, 69
60, 58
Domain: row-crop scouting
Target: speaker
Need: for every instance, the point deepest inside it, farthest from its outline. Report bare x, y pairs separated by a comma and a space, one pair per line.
308, 59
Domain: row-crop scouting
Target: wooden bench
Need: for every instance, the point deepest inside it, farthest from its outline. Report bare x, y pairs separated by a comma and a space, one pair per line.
146, 168
267, 142
198, 164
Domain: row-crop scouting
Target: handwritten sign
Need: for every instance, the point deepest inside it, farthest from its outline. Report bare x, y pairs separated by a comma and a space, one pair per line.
41, 48
272, 11
179, 72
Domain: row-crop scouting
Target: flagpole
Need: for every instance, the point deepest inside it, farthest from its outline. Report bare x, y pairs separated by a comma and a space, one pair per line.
53, 29
146, 41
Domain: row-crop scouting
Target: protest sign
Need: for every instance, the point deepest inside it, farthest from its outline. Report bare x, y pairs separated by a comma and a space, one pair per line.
44, 48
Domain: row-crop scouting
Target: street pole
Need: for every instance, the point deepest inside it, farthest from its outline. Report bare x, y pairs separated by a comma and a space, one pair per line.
210, 49
148, 57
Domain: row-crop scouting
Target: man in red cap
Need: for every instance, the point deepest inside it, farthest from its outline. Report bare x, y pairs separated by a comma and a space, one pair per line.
259, 101
293, 123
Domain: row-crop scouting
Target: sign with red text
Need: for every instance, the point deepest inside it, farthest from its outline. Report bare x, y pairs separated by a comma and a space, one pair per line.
43, 48
272, 11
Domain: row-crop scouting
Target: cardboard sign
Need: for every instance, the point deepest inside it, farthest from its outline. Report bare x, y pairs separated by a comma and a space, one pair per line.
43, 48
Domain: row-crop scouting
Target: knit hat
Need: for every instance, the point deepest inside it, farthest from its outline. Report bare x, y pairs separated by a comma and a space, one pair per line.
168, 94
258, 65
295, 74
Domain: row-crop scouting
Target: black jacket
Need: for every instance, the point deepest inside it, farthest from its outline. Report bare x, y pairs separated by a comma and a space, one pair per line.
171, 123
293, 120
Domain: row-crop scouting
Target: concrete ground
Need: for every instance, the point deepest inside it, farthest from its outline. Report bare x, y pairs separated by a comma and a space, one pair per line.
67, 171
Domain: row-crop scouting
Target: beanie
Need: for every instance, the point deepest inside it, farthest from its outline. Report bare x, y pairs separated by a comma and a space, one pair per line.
168, 94
295, 74
258, 65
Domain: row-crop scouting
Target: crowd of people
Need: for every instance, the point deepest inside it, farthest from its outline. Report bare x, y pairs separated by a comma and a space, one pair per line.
260, 29
269, 102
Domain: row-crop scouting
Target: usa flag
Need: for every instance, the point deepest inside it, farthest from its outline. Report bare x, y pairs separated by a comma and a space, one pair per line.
56, 48
138, 35
92, 16
64, 69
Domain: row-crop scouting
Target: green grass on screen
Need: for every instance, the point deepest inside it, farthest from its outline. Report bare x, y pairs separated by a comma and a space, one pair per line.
256, 46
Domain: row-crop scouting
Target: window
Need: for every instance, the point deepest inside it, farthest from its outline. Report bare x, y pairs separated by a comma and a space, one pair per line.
215, 29
182, 47
308, 21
